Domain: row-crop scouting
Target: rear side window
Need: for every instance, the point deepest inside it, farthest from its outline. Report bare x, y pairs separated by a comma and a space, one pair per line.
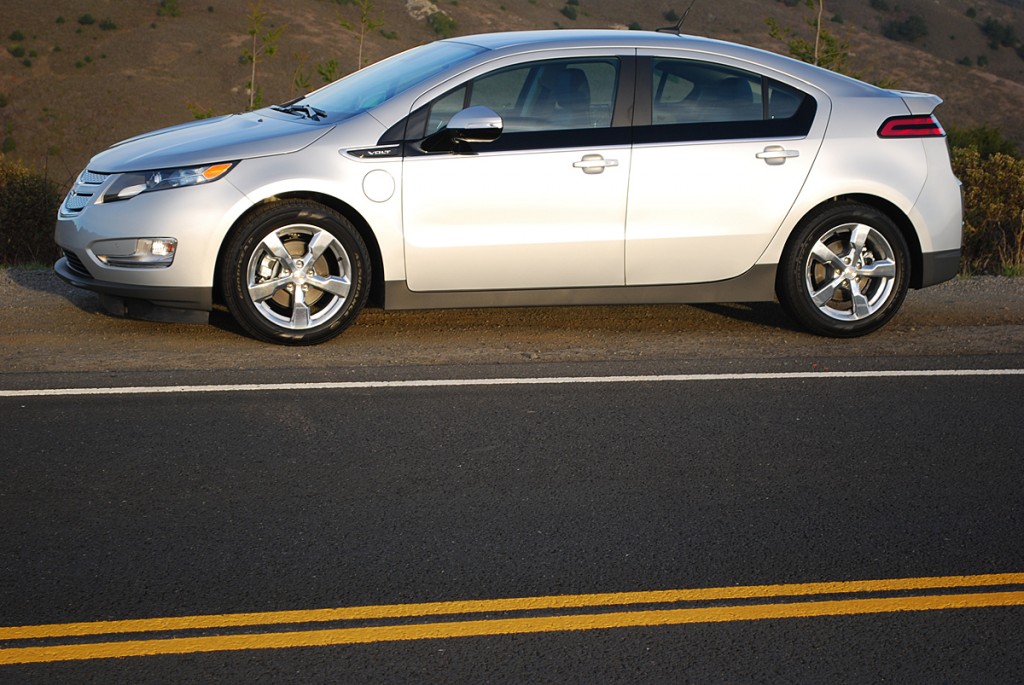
692, 100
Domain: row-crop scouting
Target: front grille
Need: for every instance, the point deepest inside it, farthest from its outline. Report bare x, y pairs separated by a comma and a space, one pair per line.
82, 194
75, 264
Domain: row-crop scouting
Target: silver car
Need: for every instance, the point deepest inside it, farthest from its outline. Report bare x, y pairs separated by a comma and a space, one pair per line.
529, 168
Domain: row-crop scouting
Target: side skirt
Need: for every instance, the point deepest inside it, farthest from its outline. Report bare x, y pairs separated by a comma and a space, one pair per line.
756, 285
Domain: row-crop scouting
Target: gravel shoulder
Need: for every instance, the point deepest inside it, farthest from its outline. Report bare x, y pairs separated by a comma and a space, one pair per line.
49, 327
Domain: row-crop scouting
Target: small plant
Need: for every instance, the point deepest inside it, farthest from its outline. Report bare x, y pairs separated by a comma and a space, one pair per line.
27, 63
168, 8
880, 5
60, 20
635, 26
442, 24
971, 13
107, 25
389, 35
16, 36
909, 30
368, 21
965, 61
671, 16
570, 12
200, 112
264, 44
17, 51
86, 20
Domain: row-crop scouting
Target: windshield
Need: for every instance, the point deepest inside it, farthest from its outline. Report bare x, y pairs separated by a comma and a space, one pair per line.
369, 87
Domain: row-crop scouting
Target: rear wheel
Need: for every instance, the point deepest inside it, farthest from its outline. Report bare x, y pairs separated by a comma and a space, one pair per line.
845, 272
295, 273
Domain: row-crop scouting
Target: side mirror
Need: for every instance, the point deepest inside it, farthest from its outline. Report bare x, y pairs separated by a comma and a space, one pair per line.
477, 124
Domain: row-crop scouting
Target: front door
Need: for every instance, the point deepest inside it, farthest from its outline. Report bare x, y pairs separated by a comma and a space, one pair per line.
544, 206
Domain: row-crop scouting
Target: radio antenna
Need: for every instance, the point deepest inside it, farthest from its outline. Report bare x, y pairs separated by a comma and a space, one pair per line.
678, 28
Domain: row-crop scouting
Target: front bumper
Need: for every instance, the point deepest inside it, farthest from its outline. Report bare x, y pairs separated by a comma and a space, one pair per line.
151, 303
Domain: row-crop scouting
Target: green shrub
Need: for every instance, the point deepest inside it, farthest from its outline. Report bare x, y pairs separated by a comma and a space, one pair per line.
107, 25
17, 36
17, 51
570, 12
993, 191
987, 140
908, 30
443, 25
86, 20
168, 8
28, 209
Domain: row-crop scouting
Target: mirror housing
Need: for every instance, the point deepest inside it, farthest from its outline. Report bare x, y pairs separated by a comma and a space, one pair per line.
477, 124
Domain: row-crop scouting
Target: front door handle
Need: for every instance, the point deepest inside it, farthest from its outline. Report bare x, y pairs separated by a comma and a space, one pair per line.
594, 164
776, 154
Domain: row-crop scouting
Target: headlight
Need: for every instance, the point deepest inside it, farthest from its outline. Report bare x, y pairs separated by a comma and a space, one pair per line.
128, 185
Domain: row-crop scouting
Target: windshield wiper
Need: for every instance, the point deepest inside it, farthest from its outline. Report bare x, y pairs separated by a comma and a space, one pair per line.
304, 110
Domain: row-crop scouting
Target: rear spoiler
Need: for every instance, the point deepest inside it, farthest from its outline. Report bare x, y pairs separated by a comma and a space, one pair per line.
919, 103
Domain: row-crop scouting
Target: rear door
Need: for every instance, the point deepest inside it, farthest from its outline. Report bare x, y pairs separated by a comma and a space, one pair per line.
720, 155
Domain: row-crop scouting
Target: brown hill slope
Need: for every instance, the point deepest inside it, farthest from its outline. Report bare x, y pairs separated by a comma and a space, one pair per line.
70, 87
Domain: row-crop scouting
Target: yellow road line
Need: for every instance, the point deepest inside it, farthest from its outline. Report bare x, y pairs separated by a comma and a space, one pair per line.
784, 607
59, 630
627, 619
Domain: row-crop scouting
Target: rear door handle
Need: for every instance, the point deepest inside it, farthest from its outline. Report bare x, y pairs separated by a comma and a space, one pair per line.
594, 164
776, 154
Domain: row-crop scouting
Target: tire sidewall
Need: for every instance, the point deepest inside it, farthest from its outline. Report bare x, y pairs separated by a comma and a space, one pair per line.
791, 286
248, 237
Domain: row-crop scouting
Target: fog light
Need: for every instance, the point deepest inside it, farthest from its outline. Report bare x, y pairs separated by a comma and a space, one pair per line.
136, 252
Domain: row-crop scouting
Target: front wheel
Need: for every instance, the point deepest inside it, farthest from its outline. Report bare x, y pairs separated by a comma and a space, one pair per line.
295, 273
845, 271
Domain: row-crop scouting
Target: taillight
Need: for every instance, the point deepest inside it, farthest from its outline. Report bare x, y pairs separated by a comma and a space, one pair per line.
911, 126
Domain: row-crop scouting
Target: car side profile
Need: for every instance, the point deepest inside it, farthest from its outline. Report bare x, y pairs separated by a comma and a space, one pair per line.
529, 168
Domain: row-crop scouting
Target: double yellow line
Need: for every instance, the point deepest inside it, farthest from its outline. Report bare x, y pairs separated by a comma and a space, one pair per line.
435, 620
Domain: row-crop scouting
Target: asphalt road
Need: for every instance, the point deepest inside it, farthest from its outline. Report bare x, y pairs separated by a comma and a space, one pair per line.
768, 458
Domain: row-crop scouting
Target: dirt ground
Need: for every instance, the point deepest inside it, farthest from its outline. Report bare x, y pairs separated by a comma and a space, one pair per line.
49, 327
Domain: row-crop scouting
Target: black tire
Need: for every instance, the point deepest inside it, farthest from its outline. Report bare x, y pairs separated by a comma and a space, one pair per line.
295, 273
845, 271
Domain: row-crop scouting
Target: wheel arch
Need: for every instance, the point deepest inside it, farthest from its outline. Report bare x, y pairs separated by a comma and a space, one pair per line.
898, 217
376, 296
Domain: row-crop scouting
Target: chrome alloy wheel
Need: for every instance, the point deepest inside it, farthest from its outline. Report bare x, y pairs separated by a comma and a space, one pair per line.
850, 272
298, 276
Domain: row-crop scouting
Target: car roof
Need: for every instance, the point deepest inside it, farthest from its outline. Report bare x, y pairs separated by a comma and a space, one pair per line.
523, 41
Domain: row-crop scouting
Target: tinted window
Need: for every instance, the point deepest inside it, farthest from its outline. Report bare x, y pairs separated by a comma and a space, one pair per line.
687, 92
542, 96
690, 100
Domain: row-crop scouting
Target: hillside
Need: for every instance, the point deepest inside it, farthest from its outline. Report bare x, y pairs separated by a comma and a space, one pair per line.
69, 86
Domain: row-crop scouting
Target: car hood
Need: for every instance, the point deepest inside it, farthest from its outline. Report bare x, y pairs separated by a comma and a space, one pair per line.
223, 139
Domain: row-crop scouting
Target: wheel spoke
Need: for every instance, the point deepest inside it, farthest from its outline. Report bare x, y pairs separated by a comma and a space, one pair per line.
861, 308
335, 285
823, 254
883, 268
300, 310
275, 247
317, 246
259, 292
858, 239
823, 296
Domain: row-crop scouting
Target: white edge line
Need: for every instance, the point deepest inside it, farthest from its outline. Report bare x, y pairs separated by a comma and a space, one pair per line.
563, 380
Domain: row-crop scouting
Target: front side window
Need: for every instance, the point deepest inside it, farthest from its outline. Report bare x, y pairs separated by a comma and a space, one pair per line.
538, 102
